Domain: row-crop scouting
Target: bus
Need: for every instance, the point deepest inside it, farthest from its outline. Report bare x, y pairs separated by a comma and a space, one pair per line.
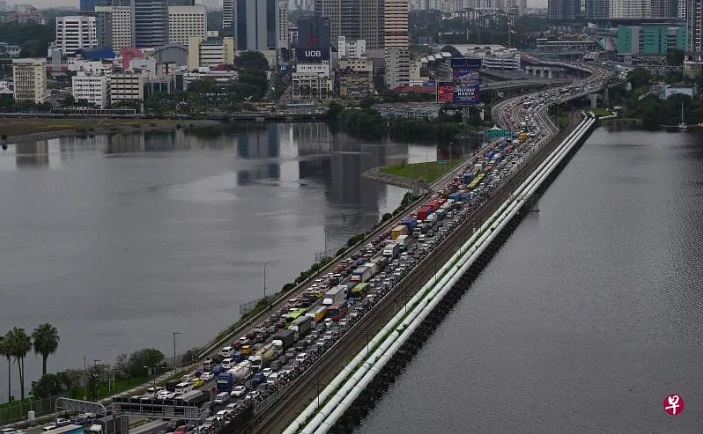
475, 181
338, 311
293, 315
360, 291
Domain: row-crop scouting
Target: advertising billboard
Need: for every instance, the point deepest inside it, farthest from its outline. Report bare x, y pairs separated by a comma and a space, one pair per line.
313, 55
445, 92
465, 73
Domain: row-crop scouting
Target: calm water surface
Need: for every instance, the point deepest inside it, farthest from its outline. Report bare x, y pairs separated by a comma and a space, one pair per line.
589, 315
120, 241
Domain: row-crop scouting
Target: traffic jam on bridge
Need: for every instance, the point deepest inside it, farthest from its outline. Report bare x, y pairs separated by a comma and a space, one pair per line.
252, 368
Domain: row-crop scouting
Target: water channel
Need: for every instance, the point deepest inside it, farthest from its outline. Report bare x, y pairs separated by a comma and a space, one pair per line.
589, 316
120, 241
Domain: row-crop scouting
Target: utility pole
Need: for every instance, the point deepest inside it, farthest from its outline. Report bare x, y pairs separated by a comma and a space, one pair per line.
174, 351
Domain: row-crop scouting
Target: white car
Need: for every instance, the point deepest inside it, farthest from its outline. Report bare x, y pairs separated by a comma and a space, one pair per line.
207, 376
238, 391
267, 372
186, 378
222, 398
165, 394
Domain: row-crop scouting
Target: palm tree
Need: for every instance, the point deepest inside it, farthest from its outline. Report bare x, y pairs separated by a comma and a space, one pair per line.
45, 339
19, 345
5, 351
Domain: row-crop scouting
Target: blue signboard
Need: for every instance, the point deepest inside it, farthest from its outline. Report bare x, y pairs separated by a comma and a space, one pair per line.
431, 84
466, 93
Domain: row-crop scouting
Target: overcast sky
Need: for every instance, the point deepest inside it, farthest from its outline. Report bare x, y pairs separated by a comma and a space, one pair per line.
41, 4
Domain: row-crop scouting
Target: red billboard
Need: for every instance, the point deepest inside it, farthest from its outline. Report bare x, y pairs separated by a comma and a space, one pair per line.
445, 91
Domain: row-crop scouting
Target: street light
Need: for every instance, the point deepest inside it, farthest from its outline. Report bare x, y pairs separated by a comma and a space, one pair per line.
265, 264
153, 372
174, 351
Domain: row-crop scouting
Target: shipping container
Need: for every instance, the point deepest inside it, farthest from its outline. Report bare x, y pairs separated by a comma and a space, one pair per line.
398, 231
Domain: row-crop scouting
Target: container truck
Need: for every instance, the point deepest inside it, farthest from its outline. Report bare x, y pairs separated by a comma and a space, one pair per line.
375, 268
410, 222
360, 274
391, 250
225, 381
301, 326
423, 212
403, 241
468, 176
286, 336
398, 231
338, 294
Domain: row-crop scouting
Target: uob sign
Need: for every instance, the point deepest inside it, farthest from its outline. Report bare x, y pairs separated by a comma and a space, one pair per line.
311, 54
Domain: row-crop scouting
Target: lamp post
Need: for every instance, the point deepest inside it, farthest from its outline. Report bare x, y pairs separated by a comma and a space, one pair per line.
153, 373
265, 264
174, 351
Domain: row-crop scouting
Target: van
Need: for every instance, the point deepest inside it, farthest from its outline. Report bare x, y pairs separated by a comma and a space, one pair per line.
227, 363
184, 387
227, 352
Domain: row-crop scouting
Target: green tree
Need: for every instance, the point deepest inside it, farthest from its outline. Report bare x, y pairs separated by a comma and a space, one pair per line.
45, 340
252, 60
149, 357
7, 353
639, 77
20, 344
675, 57
48, 385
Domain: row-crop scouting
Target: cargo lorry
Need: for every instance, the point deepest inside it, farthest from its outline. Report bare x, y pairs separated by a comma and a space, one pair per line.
398, 231
286, 337
338, 294
301, 326
264, 356
392, 250
403, 241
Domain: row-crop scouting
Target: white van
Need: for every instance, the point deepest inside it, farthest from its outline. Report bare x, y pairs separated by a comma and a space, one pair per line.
227, 352
182, 388
227, 363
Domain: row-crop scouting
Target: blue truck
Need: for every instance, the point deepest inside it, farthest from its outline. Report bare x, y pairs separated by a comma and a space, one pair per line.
410, 222
225, 381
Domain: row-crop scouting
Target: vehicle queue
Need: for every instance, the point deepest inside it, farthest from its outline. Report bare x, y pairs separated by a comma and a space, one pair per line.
259, 364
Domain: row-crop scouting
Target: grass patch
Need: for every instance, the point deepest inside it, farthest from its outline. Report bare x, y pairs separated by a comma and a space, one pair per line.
17, 127
601, 111
428, 171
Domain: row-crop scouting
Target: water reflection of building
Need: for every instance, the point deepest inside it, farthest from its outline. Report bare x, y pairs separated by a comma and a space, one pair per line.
32, 154
314, 149
125, 143
259, 143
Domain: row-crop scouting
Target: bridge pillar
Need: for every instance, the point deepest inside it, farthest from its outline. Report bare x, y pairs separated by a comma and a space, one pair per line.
606, 97
549, 70
594, 100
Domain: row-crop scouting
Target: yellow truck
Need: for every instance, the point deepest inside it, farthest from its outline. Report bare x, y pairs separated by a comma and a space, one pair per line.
398, 231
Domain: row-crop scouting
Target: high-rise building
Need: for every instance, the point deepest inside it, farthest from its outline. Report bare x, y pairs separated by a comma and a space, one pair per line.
355, 19
395, 23
314, 32
90, 5
563, 10
185, 22
3, 6
114, 26
150, 23
650, 39
91, 88
681, 9
694, 26
282, 42
75, 32
228, 7
630, 9
255, 24
597, 9
29, 76
397, 67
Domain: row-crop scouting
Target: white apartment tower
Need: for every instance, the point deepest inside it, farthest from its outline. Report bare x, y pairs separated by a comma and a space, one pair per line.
29, 76
228, 12
630, 9
116, 24
185, 22
75, 32
397, 67
396, 23
210, 52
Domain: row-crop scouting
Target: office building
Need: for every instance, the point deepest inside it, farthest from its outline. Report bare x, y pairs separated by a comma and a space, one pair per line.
185, 22
210, 52
91, 89
348, 49
650, 39
397, 67
395, 23
75, 32
597, 10
150, 23
681, 9
355, 19
314, 32
29, 77
282, 42
255, 24
563, 10
90, 5
126, 86
228, 7
3, 6
114, 26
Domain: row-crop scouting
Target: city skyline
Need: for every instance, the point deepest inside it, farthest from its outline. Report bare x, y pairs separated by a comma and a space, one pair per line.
44, 4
